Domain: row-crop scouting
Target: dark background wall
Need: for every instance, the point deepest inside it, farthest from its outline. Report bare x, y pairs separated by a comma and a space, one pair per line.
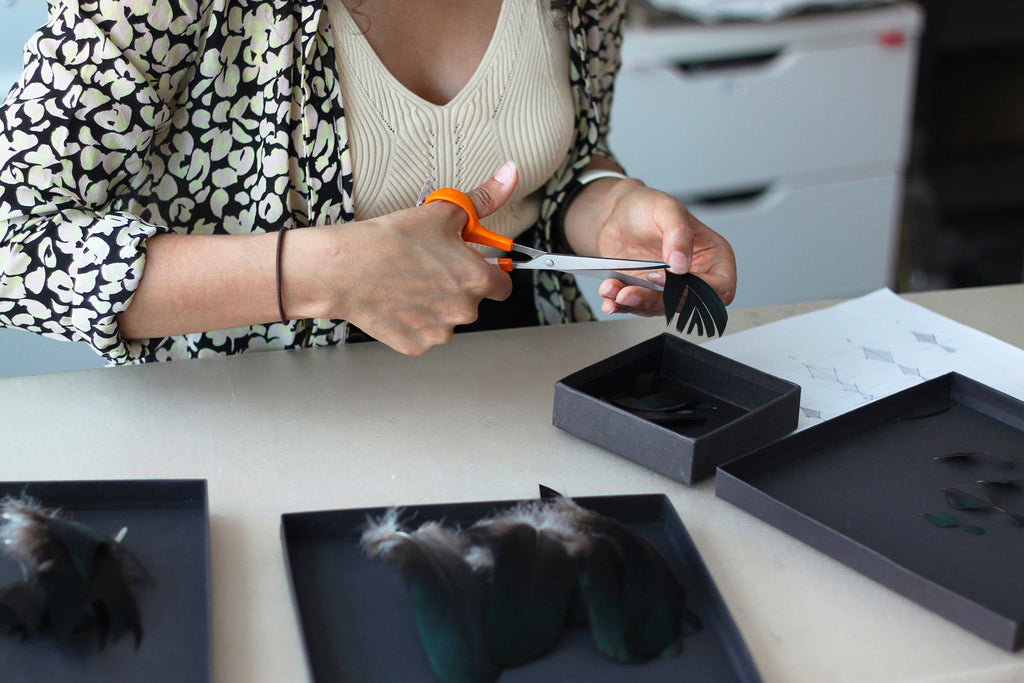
964, 205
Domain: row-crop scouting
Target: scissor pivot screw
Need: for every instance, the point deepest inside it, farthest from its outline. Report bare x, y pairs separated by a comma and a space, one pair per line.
549, 262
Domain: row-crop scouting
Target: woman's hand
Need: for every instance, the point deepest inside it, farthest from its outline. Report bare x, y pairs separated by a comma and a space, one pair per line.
624, 218
408, 279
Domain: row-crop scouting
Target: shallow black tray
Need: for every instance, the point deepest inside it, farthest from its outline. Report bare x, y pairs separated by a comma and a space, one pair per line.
357, 622
855, 487
753, 408
168, 532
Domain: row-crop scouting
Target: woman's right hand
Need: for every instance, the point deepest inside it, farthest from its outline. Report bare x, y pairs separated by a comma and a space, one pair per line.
407, 278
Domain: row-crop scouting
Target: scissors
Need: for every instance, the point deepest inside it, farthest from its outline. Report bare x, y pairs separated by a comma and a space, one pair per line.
590, 266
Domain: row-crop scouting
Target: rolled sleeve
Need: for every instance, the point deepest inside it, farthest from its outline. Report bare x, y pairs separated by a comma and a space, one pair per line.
99, 83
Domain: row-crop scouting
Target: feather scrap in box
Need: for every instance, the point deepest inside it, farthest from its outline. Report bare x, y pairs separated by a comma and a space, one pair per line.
79, 585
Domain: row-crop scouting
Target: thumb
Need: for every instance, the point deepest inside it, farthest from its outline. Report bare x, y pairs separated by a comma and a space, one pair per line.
490, 195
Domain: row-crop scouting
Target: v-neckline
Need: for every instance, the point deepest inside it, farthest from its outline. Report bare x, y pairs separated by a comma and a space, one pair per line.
378, 65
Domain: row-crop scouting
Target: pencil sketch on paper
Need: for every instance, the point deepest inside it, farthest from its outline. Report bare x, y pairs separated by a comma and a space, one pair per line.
867, 348
929, 338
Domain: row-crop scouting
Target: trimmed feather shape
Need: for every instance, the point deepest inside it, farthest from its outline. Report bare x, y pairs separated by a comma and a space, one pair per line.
80, 584
695, 303
447, 597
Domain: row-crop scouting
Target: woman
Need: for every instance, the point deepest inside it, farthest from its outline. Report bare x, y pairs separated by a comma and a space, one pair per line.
153, 152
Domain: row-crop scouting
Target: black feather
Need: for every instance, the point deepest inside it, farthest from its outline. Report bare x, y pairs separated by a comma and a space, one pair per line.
448, 599
86, 580
635, 604
532, 584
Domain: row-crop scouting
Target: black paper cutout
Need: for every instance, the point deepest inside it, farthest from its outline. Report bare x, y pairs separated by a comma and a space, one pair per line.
696, 304
659, 399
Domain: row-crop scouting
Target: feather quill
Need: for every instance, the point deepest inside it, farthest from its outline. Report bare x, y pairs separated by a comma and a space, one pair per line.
447, 597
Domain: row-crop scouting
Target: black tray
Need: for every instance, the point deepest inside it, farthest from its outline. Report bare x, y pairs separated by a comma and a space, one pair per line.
357, 623
753, 408
856, 487
168, 532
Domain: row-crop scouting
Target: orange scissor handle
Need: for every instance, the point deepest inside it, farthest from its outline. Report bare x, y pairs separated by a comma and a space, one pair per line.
473, 232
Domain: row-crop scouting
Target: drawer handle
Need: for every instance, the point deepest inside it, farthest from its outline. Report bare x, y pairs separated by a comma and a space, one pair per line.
723, 65
731, 198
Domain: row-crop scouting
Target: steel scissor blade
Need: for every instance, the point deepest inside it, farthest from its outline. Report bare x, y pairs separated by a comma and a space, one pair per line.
570, 263
624, 278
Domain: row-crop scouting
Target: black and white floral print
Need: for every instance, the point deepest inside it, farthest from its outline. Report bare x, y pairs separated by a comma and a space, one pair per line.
139, 117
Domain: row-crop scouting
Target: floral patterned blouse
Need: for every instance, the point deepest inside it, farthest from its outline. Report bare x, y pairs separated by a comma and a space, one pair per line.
138, 117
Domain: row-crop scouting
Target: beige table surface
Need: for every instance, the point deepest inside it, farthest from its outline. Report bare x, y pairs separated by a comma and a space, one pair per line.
364, 426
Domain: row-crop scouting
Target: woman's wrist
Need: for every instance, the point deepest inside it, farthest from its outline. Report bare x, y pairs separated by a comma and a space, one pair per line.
591, 207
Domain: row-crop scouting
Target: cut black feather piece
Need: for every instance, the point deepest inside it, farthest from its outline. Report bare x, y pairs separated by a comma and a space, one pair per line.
695, 303
960, 498
87, 580
712, 306
961, 456
664, 401
669, 417
940, 519
447, 597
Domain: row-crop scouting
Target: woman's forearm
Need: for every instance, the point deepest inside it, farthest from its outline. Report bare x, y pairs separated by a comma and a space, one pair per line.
197, 283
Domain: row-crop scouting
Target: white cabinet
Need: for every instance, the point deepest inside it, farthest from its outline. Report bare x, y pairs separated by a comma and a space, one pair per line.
790, 138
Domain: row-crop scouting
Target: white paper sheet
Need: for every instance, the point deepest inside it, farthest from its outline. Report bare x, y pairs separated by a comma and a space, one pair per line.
852, 353
711, 11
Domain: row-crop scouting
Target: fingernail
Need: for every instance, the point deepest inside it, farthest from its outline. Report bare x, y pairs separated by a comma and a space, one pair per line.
605, 289
678, 262
628, 300
506, 172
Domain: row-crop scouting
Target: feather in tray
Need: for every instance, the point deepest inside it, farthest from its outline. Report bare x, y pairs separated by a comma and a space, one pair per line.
79, 585
510, 584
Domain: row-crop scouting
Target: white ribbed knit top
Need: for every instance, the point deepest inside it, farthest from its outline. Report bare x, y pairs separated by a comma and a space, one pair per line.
517, 106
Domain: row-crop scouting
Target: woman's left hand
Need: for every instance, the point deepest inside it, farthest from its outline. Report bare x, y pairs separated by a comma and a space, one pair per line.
624, 218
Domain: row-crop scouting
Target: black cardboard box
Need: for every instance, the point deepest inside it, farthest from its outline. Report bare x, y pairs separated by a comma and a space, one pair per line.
860, 488
753, 408
167, 525
358, 625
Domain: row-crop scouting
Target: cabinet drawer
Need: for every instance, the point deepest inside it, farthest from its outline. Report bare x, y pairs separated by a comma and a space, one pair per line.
761, 111
825, 241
